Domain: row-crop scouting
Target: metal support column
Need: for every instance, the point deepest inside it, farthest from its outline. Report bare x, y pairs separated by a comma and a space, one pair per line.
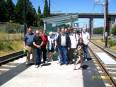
91, 26
106, 23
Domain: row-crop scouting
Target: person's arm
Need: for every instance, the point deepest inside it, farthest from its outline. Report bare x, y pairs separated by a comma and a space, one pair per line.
34, 43
88, 37
41, 43
24, 42
68, 42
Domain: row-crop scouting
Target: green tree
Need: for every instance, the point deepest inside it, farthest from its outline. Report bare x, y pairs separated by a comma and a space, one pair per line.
39, 12
26, 13
113, 31
39, 17
3, 11
98, 30
46, 9
49, 7
10, 8
20, 11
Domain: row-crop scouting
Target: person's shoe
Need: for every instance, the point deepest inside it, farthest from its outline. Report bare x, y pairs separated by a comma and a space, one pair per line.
66, 63
27, 63
36, 66
46, 62
74, 68
61, 64
86, 60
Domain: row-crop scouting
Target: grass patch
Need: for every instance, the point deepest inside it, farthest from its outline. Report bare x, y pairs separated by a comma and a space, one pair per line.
113, 48
99, 42
7, 47
111, 43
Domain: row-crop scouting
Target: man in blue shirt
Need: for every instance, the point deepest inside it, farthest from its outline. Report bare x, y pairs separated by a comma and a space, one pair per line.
28, 44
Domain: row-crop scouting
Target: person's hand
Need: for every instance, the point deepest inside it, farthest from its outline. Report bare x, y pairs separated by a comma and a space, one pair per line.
38, 46
68, 48
79, 47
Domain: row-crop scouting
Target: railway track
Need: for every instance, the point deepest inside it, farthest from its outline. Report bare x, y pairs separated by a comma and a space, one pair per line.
107, 71
11, 57
113, 55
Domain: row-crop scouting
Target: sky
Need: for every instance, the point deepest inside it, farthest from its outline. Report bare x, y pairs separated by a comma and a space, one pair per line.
77, 6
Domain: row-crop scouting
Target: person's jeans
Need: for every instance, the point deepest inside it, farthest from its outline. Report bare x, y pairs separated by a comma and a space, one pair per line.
71, 55
58, 51
63, 55
37, 56
44, 54
85, 49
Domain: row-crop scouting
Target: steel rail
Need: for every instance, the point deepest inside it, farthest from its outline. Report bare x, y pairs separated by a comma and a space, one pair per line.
112, 81
11, 57
106, 51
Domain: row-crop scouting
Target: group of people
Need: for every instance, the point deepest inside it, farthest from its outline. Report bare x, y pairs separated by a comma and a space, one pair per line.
66, 42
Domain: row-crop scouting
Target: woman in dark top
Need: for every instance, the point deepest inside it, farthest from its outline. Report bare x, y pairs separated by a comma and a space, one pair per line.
37, 42
79, 50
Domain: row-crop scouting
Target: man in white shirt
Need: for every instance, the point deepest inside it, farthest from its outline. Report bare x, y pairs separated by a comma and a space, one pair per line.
63, 42
86, 39
74, 41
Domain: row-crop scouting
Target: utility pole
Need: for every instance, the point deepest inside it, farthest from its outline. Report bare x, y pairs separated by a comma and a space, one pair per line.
106, 23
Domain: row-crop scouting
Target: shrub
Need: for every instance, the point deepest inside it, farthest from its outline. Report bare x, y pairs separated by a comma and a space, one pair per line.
113, 31
6, 45
98, 30
112, 43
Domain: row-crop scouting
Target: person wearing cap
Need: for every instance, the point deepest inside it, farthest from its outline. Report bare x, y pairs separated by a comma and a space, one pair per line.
86, 39
51, 45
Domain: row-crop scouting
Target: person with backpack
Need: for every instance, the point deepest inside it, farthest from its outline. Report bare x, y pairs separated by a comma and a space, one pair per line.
51, 46
28, 45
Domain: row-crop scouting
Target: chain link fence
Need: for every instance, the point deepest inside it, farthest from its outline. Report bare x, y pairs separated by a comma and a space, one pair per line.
11, 31
11, 38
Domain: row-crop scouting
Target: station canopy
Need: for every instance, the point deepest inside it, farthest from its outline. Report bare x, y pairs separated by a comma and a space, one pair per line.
61, 19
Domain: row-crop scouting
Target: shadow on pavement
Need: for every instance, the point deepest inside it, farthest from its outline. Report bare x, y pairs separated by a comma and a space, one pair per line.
91, 75
12, 73
46, 64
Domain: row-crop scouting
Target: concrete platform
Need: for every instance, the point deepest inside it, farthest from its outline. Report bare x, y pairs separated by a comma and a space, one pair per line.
51, 75
106, 59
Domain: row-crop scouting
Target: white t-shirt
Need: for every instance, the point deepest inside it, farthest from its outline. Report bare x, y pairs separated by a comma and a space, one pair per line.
50, 41
63, 40
74, 40
85, 37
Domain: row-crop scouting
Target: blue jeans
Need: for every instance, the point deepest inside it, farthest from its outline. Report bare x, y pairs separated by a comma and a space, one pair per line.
58, 51
63, 55
85, 51
37, 56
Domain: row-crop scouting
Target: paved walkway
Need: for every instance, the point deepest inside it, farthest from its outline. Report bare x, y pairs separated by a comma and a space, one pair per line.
51, 75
